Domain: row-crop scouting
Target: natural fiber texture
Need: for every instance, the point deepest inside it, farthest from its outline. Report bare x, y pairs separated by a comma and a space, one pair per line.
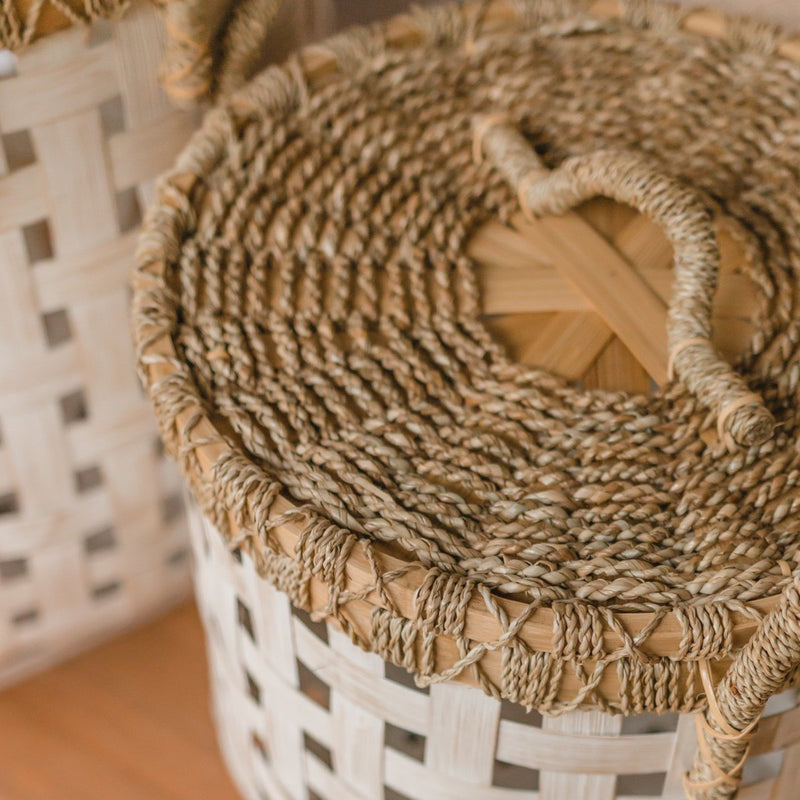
308, 324
298, 708
630, 179
355, 372
22, 21
213, 47
92, 537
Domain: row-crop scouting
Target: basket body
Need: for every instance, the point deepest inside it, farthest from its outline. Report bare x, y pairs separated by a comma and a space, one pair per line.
91, 530
303, 713
318, 355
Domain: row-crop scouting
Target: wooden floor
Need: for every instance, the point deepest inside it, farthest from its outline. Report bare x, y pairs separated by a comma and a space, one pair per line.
128, 721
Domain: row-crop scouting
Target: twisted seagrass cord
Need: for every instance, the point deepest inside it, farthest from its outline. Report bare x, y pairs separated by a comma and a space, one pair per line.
213, 46
308, 324
21, 21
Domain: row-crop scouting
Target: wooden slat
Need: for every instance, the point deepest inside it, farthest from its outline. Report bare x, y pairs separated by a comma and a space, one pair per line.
508, 288
559, 785
511, 291
644, 244
357, 744
568, 344
515, 331
543, 749
616, 368
462, 733
497, 244
42, 96
618, 294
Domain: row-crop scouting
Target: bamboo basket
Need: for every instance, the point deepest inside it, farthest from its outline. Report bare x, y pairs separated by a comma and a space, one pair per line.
301, 712
92, 533
361, 290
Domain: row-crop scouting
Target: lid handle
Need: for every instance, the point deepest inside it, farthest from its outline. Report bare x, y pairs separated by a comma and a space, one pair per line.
627, 177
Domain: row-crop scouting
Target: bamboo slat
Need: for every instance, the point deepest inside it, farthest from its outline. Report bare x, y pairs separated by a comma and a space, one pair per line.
359, 725
91, 533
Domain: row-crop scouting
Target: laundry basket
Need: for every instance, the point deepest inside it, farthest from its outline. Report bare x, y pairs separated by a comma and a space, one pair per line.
92, 535
534, 451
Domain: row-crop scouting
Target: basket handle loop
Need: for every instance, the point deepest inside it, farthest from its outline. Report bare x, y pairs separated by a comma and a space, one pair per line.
761, 669
627, 177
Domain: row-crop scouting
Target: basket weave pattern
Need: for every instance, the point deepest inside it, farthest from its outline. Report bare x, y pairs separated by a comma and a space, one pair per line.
300, 710
91, 532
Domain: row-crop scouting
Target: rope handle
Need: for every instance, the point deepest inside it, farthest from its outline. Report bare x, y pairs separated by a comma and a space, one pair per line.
759, 670
628, 177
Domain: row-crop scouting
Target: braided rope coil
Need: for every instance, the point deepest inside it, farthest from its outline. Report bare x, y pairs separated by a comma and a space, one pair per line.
308, 325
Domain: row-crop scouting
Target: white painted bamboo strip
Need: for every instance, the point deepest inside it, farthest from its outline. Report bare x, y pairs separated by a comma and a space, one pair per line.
578, 758
574, 727
155, 145
462, 734
106, 268
357, 745
418, 782
326, 783
21, 201
398, 706
681, 755
32, 376
88, 529
56, 92
68, 150
543, 748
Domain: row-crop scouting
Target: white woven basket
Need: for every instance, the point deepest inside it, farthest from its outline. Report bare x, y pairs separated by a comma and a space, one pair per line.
91, 530
303, 714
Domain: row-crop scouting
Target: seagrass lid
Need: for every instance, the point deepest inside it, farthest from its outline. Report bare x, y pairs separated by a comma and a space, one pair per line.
441, 395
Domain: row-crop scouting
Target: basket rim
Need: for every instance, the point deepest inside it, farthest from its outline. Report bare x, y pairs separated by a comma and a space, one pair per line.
195, 436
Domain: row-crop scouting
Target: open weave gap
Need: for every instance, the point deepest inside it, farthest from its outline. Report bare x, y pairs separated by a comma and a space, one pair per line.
327, 312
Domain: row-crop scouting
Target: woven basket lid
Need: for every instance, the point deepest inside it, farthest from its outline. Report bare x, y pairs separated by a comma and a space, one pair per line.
309, 323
